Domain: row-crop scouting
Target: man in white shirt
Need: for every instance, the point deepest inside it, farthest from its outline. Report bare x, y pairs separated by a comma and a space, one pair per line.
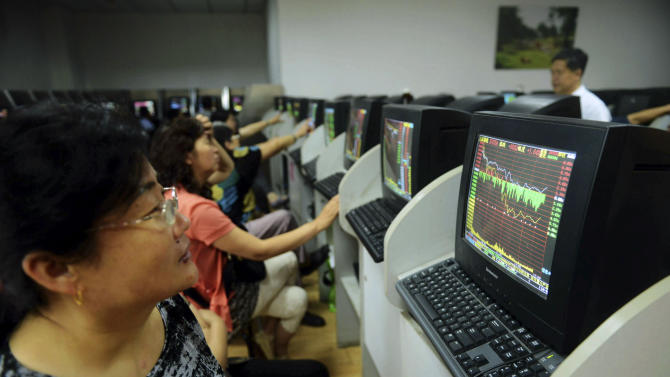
567, 69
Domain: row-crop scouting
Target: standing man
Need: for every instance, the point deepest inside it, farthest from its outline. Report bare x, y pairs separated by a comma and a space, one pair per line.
567, 69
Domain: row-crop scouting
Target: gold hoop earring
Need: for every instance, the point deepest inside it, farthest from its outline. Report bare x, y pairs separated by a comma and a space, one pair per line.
79, 297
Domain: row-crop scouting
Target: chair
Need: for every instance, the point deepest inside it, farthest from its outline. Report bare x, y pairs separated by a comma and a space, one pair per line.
634, 341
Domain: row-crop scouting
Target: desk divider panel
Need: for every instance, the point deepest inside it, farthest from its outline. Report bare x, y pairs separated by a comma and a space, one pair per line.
361, 184
423, 231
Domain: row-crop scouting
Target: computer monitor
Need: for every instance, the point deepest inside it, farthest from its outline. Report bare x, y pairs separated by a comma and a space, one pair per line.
5, 102
363, 129
21, 97
180, 103
478, 103
335, 118
510, 95
41, 95
60, 96
288, 105
279, 104
299, 108
440, 100
545, 104
632, 102
236, 102
419, 143
562, 221
316, 112
149, 104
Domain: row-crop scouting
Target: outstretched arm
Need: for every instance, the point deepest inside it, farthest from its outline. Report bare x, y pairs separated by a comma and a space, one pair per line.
254, 128
241, 243
647, 115
279, 143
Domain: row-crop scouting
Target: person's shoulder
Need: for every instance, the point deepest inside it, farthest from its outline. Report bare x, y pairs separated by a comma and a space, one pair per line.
240, 152
184, 341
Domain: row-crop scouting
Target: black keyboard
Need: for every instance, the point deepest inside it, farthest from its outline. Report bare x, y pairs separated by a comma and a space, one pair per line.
295, 155
473, 335
370, 222
329, 185
309, 171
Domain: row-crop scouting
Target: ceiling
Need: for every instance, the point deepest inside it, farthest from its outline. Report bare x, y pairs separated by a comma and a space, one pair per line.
162, 6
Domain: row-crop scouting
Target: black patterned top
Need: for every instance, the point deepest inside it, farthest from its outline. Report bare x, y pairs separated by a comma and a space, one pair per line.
185, 352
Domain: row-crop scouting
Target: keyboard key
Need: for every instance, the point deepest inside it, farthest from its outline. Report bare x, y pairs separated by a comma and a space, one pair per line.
455, 347
525, 372
480, 360
462, 357
472, 371
467, 364
476, 336
488, 333
464, 338
497, 327
425, 305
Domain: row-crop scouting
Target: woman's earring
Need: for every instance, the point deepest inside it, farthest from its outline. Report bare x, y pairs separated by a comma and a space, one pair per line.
79, 297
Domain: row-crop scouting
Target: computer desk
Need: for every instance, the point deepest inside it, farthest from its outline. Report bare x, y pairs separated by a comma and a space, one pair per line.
345, 251
276, 163
635, 340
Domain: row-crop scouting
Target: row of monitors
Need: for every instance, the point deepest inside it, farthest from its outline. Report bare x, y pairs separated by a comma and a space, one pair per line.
10, 99
561, 220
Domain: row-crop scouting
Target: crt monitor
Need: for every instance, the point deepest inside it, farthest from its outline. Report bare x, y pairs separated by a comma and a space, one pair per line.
335, 118
279, 103
419, 143
481, 102
236, 102
363, 129
562, 221
288, 105
545, 104
316, 112
21, 97
149, 104
299, 109
439, 100
510, 95
41, 95
178, 103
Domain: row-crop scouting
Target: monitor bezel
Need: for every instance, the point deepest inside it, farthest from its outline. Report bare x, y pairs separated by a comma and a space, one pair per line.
402, 115
548, 318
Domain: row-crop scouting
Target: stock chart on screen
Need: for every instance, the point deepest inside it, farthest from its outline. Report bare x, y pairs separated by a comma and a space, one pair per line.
515, 199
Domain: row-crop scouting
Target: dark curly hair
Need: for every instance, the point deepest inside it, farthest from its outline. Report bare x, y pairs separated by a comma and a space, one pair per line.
168, 155
63, 168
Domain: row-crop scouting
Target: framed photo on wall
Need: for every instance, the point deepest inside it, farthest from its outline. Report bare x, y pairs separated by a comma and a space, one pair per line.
529, 35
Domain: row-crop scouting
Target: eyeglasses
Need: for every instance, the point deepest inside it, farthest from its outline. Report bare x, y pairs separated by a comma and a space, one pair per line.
167, 214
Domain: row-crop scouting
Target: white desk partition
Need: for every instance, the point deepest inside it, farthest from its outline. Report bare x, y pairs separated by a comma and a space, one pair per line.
634, 341
313, 146
331, 160
285, 127
361, 184
422, 232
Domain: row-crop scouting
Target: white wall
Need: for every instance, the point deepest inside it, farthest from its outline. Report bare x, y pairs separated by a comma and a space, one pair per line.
328, 48
170, 50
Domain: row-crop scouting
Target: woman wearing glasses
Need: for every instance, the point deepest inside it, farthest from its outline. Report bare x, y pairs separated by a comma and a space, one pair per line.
186, 156
93, 256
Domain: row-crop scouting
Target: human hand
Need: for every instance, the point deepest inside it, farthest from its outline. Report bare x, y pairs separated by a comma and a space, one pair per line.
206, 123
304, 129
274, 120
328, 213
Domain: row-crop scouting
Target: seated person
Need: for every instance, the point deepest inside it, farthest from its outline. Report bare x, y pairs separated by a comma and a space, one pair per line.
237, 200
567, 70
90, 275
186, 156
250, 135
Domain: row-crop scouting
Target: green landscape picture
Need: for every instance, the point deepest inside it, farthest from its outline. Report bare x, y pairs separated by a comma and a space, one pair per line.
529, 36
